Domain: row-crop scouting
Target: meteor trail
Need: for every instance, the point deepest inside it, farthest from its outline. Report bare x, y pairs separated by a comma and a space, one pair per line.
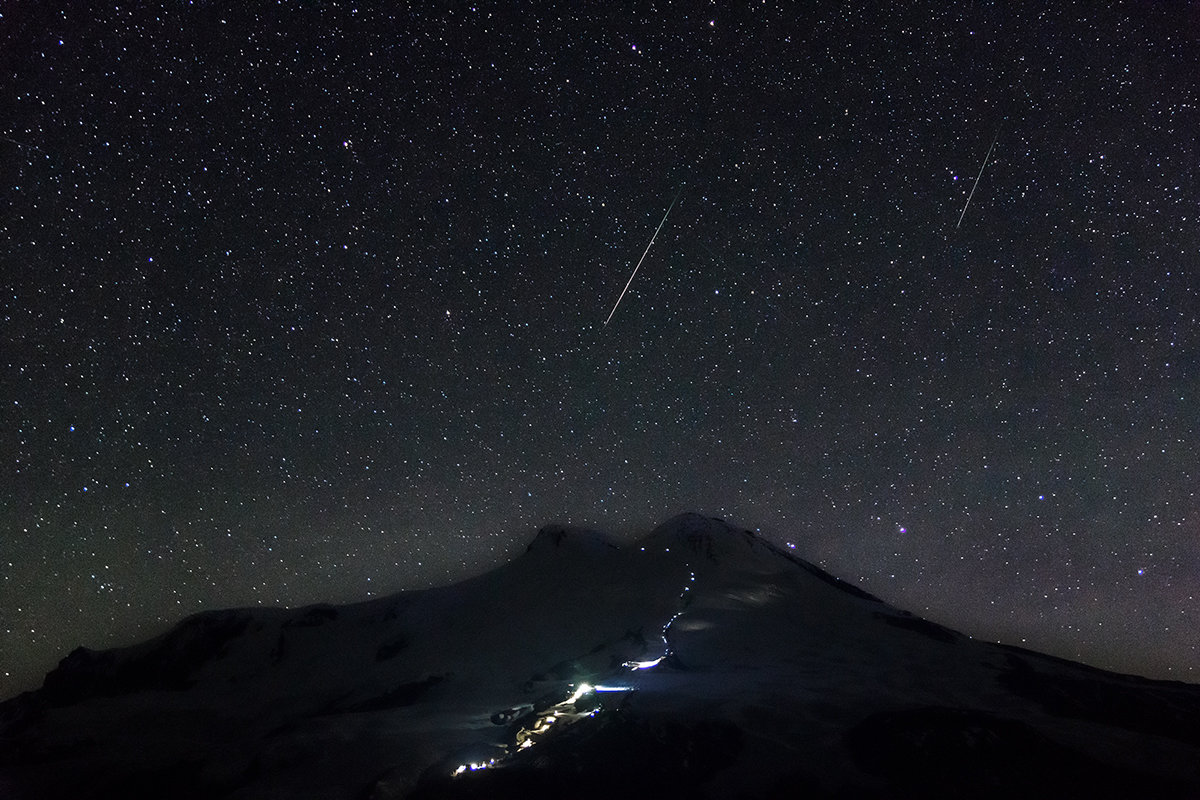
643, 258
977, 177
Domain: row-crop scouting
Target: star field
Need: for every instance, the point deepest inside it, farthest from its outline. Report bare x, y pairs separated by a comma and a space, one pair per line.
305, 303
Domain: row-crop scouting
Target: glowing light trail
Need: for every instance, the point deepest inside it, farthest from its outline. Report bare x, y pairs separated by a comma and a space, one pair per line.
565, 711
644, 664
977, 177
666, 630
643, 258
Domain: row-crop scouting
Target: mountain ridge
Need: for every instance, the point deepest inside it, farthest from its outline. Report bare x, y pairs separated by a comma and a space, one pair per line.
532, 678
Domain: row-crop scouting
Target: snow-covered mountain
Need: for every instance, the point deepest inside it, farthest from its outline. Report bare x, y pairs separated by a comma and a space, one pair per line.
701, 661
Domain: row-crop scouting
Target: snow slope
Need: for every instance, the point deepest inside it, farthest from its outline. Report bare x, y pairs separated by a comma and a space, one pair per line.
701, 661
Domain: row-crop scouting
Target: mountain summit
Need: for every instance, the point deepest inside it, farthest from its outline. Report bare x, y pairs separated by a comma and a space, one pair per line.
700, 661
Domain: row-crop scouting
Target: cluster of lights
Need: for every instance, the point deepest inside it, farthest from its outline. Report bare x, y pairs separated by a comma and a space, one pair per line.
527, 737
473, 767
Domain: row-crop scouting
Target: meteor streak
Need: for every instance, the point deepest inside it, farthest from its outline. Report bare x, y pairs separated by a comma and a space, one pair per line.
977, 177
643, 258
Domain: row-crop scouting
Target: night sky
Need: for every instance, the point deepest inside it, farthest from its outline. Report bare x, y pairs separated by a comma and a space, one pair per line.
305, 302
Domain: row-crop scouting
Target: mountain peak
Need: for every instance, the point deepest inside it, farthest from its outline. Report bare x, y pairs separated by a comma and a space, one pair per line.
697, 525
556, 537
710, 537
